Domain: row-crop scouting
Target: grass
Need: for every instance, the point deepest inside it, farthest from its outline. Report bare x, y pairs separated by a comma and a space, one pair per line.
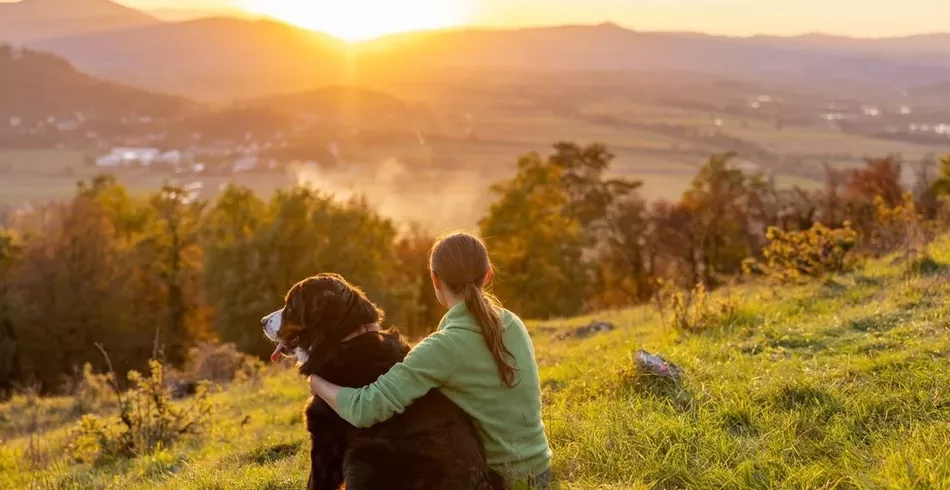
838, 384
842, 383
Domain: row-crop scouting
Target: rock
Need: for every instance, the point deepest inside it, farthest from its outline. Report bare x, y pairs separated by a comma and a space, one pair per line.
585, 331
657, 366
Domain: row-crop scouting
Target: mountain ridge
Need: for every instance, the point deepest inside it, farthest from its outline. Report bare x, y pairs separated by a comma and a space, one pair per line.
35, 86
31, 20
228, 58
232, 57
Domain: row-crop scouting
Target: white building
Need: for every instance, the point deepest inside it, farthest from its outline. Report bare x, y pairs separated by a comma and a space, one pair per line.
244, 164
129, 156
172, 157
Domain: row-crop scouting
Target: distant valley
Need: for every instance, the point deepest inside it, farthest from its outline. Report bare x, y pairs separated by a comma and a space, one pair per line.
420, 119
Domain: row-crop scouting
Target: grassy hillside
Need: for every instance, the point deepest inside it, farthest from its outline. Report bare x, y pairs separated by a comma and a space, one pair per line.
843, 383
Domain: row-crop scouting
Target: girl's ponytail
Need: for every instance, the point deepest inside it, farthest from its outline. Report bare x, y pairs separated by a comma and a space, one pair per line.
484, 307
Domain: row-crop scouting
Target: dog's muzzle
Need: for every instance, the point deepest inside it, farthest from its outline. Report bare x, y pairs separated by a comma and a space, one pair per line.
271, 326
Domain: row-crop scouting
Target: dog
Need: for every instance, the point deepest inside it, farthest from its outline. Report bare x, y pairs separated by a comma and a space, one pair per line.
332, 330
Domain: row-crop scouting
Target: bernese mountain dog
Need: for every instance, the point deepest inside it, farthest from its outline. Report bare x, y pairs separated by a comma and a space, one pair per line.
332, 329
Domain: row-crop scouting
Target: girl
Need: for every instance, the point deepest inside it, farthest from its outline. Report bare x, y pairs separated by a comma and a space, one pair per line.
481, 357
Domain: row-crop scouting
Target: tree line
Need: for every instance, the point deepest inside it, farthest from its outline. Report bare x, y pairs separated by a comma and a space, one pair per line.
132, 272
568, 238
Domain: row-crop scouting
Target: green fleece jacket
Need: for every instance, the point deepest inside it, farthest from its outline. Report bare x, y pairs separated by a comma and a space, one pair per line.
456, 360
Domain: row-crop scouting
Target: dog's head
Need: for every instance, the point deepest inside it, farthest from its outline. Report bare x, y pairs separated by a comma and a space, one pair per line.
318, 313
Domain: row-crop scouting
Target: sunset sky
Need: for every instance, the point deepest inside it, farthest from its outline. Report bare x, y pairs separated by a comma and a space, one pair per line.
865, 18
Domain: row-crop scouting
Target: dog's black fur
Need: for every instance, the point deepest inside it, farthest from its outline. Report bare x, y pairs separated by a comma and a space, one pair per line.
432, 446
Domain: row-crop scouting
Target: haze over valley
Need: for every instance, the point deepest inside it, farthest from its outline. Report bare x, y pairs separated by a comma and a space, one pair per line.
429, 120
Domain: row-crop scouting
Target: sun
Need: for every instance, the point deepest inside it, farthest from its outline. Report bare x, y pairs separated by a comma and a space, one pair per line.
358, 20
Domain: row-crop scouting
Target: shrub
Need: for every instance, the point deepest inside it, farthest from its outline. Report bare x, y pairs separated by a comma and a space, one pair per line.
792, 255
691, 310
901, 228
221, 363
148, 420
90, 390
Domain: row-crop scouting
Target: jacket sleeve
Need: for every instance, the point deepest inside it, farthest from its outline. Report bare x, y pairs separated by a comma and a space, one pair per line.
428, 365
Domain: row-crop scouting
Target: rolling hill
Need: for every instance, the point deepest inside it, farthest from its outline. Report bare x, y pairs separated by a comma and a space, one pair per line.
220, 58
31, 20
36, 86
608, 47
231, 58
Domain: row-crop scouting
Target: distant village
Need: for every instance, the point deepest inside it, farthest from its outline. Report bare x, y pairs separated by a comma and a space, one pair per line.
141, 142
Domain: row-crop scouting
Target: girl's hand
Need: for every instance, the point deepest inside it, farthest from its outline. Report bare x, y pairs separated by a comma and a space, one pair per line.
324, 389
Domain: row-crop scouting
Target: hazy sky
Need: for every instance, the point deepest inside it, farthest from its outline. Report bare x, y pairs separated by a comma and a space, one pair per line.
867, 18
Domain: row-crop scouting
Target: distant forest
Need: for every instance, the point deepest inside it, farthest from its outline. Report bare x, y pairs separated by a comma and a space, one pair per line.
129, 270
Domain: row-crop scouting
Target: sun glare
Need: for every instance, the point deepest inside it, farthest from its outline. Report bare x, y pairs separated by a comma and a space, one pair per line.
357, 20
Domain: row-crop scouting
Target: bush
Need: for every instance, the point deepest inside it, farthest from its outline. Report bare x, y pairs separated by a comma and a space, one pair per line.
221, 363
792, 255
901, 228
90, 390
147, 420
691, 310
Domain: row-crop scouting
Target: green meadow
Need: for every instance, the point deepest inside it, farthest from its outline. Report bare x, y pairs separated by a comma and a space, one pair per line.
838, 383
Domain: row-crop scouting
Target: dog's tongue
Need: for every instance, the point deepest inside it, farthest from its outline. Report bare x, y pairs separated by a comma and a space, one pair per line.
276, 355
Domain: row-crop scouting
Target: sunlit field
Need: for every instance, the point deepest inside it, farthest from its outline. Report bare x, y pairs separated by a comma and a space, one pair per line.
836, 384
476, 136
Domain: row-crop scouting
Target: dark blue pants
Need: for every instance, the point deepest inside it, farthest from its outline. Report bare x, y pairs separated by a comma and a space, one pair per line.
541, 481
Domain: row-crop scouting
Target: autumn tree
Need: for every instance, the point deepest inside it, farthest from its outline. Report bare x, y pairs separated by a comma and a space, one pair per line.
722, 223
878, 179
550, 223
74, 289
255, 252
10, 350
941, 186
238, 287
536, 246
624, 273
171, 249
416, 309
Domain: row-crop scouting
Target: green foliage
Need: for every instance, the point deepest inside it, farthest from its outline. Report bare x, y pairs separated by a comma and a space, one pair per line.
537, 248
795, 396
941, 186
793, 255
10, 370
172, 248
549, 224
167, 270
419, 310
148, 420
271, 246
719, 202
133, 272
